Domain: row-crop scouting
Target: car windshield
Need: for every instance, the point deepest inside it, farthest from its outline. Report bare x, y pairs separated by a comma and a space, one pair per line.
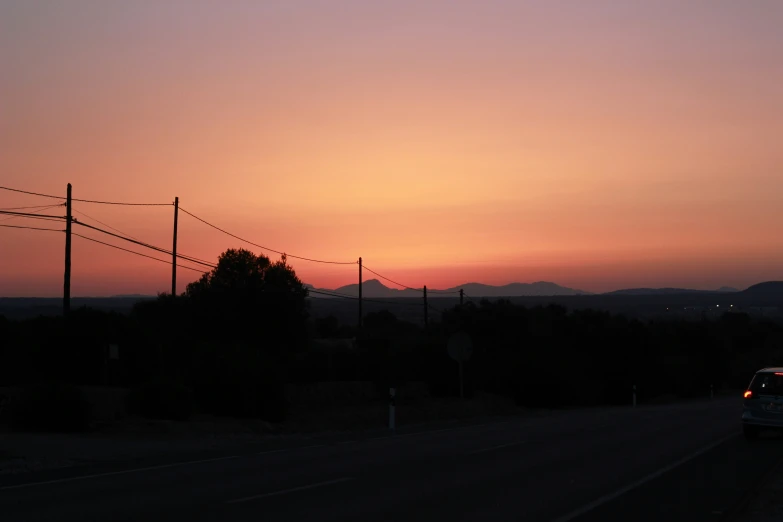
767, 383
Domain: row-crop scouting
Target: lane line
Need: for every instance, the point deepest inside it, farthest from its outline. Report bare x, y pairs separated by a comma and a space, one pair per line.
611, 496
493, 448
290, 490
114, 473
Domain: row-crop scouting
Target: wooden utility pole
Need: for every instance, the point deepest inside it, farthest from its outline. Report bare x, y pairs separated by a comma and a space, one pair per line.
461, 296
174, 250
67, 280
426, 315
360, 293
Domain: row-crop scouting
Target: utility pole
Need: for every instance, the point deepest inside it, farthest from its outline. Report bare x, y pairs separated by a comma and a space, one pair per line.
67, 281
461, 296
174, 250
426, 317
360, 293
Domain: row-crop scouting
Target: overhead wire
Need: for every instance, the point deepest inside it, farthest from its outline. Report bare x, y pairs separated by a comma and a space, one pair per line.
364, 299
33, 228
264, 247
87, 200
33, 215
40, 207
134, 252
182, 256
104, 224
31, 193
391, 280
147, 245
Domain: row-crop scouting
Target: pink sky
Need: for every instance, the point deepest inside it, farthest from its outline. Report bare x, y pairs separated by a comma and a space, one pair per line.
618, 145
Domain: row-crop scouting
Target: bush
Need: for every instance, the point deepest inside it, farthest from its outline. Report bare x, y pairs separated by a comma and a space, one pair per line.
161, 400
51, 407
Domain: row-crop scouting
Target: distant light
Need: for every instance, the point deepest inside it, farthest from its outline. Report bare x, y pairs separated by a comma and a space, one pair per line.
717, 306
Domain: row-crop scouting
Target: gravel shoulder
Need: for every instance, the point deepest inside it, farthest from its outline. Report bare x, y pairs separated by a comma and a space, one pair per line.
767, 504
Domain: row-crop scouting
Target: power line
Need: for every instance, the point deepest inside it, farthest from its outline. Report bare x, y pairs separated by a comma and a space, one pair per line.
33, 215
183, 256
147, 245
32, 193
331, 294
364, 299
133, 252
33, 228
391, 280
122, 203
266, 248
87, 200
39, 207
105, 224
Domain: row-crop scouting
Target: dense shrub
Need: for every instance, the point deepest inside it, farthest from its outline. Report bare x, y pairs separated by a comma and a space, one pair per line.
161, 400
51, 407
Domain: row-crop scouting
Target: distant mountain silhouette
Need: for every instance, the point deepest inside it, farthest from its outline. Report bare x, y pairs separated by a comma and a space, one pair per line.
539, 288
373, 288
768, 290
669, 291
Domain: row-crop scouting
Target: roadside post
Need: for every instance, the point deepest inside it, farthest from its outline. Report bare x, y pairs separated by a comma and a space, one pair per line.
460, 348
392, 395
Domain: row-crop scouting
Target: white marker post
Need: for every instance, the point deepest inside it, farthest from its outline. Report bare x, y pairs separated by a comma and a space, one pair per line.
392, 394
634, 396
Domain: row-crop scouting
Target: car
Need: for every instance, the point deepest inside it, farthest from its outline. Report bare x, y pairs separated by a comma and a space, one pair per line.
762, 407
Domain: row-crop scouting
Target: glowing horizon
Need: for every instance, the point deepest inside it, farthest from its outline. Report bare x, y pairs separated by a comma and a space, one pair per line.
599, 148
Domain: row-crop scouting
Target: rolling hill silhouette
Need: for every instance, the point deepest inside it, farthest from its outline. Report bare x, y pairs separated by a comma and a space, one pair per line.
765, 291
373, 288
669, 291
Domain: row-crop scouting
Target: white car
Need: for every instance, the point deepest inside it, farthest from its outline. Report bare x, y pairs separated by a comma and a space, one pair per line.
763, 405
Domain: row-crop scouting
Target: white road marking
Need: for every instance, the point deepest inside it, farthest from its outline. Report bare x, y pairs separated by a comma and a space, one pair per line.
493, 448
113, 473
611, 496
290, 490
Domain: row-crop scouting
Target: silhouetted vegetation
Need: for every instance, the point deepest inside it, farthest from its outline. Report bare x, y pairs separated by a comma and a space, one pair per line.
161, 399
239, 335
50, 407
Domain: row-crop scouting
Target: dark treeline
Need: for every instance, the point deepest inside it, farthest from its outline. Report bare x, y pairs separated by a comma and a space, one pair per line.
235, 338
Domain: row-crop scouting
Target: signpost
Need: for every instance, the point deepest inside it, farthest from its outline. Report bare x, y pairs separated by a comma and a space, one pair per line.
460, 349
392, 395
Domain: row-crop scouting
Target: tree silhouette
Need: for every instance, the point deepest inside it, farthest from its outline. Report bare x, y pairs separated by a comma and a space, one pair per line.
249, 298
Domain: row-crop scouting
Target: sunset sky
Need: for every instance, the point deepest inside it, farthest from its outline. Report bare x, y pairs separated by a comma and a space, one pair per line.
596, 144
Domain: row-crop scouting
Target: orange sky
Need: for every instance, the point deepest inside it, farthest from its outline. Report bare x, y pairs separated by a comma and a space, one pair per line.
616, 145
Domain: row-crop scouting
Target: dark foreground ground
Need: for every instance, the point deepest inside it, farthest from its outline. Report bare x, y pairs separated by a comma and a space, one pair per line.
676, 462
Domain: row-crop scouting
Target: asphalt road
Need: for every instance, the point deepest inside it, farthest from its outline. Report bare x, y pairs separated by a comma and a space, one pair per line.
676, 462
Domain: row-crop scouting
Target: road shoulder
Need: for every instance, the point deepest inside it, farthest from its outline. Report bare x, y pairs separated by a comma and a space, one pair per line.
766, 504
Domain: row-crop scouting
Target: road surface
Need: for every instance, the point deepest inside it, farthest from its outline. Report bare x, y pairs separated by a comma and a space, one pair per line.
675, 462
